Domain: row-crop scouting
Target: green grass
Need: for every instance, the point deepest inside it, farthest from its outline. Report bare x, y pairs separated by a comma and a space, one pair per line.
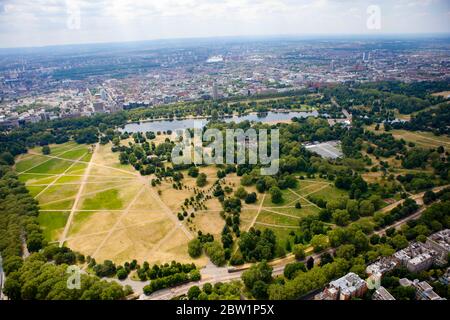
52, 223
74, 154
53, 166
29, 162
277, 219
60, 205
34, 191
303, 212
106, 200
55, 193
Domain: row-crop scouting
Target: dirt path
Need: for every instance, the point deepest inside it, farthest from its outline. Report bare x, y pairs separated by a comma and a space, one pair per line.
259, 211
77, 200
115, 226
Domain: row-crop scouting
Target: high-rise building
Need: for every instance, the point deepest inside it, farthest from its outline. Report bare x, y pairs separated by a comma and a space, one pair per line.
215, 92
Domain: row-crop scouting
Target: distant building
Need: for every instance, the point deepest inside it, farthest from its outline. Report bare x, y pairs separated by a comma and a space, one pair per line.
416, 257
345, 288
423, 289
440, 242
382, 294
382, 266
215, 93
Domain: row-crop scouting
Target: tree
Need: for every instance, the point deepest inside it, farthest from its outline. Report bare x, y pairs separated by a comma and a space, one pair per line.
241, 193
310, 263
193, 172
298, 205
346, 251
319, 242
291, 269
6, 158
366, 208
251, 198
194, 292
299, 252
201, 180
257, 272
195, 248
122, 274
259, 290
215, 252
46, 150
399, 241
341, 217
277, 196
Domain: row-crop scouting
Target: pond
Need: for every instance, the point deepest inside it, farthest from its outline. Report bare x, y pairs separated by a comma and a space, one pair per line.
165, 125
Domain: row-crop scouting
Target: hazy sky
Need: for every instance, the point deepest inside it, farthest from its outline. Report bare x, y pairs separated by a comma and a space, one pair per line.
46, 22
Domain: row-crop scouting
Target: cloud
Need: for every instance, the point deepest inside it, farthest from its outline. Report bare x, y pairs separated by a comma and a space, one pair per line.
31, 22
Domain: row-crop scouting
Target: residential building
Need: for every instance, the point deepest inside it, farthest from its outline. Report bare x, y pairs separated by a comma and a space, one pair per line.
382, 294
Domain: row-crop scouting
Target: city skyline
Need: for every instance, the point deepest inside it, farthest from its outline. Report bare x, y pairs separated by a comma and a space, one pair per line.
25, 23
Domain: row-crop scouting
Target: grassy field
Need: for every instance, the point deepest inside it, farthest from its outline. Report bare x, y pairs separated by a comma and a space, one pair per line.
283, 218
116, 214
420, 138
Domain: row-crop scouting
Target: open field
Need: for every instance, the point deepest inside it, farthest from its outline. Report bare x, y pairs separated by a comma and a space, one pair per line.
284, 218
95, 205
420, 138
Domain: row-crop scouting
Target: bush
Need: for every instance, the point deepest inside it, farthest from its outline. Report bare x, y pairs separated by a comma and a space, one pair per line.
195, 248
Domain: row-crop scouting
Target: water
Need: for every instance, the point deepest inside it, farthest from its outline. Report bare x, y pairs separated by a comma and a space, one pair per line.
165, 125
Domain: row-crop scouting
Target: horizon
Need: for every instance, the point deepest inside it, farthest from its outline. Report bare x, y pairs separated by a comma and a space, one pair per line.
249, 38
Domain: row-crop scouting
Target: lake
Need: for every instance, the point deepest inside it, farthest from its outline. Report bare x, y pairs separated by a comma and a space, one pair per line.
165, 125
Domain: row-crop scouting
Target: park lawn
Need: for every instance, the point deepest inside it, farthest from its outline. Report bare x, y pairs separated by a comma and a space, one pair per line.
53, 166
208, 222
77, 168
75, 154
52, 224
57, 149
305, 211
55, 193
276, 219
34, 191
29, 162
288, 199
69, 179
282, 234
330, 193
58, 205
106, 200
36, 179
85, 223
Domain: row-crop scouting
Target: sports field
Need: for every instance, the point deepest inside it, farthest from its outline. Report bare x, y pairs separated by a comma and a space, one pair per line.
96, 206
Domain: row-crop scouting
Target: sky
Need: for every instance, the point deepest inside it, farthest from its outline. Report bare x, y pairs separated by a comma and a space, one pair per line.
27, 23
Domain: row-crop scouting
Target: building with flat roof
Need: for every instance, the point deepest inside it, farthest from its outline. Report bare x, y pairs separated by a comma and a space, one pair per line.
382, 294
416, 257
382, 266
424, 291
440, 242
345, 288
